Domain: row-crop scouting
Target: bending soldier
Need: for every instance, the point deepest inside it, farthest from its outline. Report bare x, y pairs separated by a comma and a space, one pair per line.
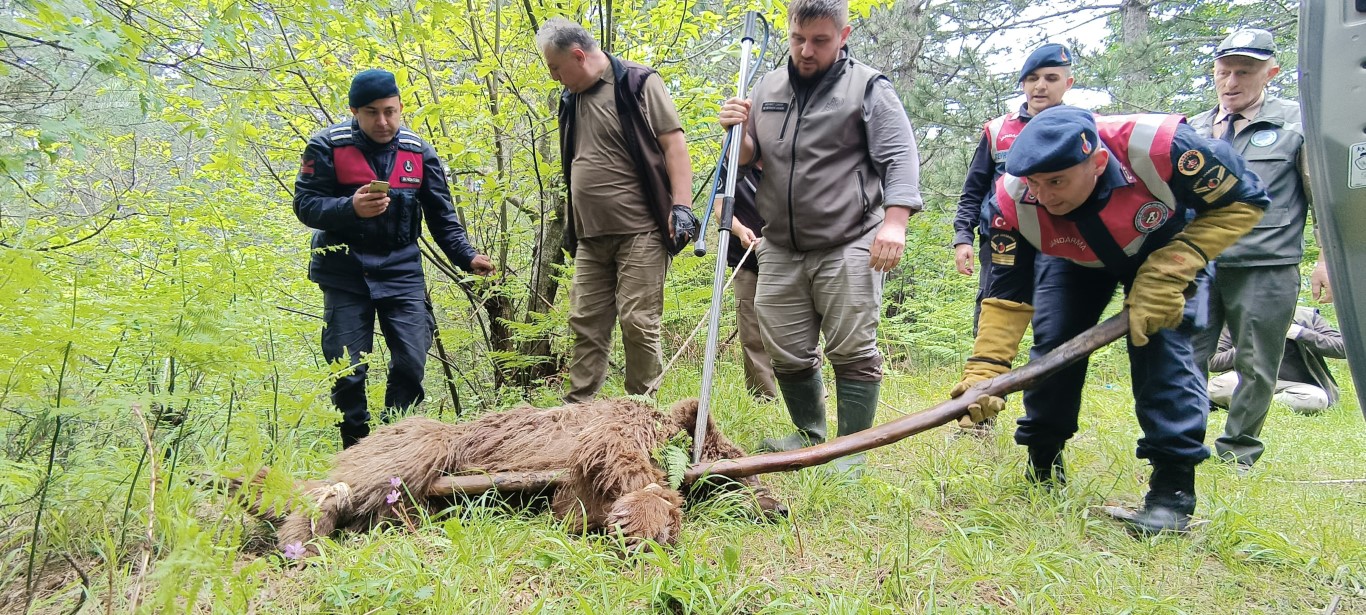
1140, 202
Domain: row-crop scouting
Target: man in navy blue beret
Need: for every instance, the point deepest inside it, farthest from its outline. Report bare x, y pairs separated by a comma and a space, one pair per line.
1044, 78
365, 186
1139, 202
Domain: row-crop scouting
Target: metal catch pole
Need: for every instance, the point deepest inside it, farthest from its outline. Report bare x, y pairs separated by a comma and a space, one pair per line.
722, 244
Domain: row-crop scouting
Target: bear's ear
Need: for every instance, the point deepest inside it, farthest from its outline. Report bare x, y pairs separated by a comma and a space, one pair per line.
683, 413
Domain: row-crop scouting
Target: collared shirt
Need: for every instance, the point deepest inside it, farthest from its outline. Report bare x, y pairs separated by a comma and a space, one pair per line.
608, 195
1248, 115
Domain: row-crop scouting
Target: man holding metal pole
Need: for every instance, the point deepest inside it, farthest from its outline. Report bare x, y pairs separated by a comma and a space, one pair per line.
841, 177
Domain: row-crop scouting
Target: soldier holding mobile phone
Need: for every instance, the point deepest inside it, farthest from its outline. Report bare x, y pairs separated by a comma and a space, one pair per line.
365, 186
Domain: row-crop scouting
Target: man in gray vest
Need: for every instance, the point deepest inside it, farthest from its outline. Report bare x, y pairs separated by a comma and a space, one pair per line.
841, 177
1256, 281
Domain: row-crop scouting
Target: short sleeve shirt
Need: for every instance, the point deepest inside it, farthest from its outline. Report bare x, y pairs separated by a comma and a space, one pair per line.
607, 192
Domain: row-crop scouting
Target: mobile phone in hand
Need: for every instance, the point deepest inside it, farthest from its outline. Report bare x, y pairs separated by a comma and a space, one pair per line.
379, 186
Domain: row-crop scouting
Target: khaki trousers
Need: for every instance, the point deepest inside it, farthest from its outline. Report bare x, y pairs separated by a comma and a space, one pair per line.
758, 367
834, 292
616, 277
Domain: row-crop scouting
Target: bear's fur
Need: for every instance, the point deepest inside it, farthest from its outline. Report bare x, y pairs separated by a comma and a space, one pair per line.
610, 480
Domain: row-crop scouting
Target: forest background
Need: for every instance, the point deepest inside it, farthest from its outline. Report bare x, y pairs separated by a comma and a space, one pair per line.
158, 325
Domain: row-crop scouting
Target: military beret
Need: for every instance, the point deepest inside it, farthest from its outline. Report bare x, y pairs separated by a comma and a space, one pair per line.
1250, 42
371, 85
1057, 138
1046, 56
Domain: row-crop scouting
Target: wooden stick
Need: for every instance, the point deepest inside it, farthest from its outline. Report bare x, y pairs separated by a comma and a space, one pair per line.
1020, 379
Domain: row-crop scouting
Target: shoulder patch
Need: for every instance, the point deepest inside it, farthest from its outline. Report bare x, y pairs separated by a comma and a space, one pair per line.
1215, 183
1190, 163
1003, 248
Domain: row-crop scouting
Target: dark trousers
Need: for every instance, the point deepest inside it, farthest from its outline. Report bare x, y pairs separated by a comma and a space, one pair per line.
1169, 391
349, 331
1258, 305
983, 277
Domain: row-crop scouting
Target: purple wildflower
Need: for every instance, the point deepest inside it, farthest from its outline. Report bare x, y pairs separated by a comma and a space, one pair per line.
392, 497
294, 550
395, 482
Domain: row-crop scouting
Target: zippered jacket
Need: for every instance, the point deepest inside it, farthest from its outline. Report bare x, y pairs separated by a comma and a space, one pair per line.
833, 158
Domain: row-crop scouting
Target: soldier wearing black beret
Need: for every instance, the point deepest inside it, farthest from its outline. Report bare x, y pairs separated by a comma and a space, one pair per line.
365, 186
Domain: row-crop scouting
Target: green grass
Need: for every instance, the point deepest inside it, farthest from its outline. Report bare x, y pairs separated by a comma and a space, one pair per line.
938, 523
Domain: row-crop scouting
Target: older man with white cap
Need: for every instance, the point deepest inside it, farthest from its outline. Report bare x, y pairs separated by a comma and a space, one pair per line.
1257, 280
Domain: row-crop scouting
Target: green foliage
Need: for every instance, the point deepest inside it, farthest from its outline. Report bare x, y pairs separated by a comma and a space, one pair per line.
160, 331
674, 457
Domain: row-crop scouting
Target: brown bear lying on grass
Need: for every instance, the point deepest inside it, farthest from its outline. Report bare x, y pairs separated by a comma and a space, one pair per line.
611, 481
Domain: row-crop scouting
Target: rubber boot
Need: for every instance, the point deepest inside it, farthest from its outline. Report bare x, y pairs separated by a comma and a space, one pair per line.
856, 405
1170, 500
805, 400
1045, 466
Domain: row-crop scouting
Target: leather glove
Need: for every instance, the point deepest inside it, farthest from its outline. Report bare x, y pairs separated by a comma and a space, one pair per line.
975, 372
1157, 297
999, 329
986, 406
984, 409
684, 227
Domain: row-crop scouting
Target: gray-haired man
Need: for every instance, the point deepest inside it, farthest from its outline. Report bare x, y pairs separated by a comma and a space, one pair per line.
626, 164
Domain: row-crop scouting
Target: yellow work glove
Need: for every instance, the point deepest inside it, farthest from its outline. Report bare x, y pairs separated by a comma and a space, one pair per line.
999, 329
1157, 297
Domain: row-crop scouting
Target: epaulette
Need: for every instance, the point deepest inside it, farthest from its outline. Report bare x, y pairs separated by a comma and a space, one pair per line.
409, 140
340, 134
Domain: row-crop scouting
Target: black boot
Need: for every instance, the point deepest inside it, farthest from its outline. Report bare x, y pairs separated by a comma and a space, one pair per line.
1170, 500
1045, 465
351, 434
